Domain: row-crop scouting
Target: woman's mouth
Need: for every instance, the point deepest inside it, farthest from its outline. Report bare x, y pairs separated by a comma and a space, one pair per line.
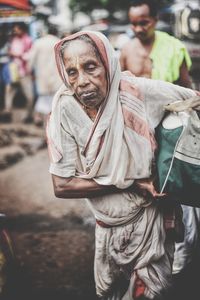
88, 95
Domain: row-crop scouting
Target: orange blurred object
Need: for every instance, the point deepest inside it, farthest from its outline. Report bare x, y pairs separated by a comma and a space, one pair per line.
22, 4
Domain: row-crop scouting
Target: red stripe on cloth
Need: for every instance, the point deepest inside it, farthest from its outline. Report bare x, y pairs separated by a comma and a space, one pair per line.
139, 288
102, 224
139, 126
130, 88
100, 144
101, 49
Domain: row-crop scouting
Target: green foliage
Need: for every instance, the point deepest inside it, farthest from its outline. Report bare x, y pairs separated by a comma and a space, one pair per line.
88, 5
111, 5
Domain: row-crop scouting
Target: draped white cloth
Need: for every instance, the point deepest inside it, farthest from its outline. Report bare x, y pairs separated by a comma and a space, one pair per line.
119, 148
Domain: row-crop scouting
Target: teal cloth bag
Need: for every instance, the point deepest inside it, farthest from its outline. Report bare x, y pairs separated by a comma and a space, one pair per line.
178, 157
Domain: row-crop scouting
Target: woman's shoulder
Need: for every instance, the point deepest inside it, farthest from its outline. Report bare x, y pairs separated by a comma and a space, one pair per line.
67, 102
63, 96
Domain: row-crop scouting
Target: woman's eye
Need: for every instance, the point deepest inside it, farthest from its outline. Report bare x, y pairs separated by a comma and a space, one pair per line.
90, 67
71, 72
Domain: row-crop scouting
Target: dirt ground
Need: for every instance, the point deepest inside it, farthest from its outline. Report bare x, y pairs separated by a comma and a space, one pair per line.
53, 238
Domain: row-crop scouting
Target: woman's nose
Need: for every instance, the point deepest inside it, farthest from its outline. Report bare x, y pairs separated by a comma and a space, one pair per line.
83, 79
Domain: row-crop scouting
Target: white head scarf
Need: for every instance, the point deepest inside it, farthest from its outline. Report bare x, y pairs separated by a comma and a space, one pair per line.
120, 147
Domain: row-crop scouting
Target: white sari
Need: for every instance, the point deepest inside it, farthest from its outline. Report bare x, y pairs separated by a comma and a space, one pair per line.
119, 148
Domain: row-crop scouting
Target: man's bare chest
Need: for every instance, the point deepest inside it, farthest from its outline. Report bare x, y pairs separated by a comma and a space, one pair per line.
139, 62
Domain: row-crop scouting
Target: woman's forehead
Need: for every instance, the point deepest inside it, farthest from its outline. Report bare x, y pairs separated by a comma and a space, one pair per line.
79, 48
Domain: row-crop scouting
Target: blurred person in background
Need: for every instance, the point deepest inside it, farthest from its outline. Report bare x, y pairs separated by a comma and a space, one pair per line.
155, 54
20, 45
42, 62
4, 64
151, 53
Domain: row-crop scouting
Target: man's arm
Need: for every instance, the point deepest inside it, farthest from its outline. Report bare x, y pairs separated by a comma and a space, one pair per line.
74, 187
184, 79
122, 59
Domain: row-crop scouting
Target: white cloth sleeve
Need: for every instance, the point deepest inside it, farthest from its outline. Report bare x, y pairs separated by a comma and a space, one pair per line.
66, 167
158, 93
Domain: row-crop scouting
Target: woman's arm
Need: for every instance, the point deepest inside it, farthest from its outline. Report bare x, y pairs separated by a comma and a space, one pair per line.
74, 187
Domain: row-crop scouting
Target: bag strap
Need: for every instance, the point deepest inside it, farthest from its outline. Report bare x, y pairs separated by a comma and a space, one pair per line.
172, 160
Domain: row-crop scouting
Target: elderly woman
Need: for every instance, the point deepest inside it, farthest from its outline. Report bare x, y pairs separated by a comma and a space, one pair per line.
101, 145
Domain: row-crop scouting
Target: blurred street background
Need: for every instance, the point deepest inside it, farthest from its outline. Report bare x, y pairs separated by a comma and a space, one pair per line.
53, 239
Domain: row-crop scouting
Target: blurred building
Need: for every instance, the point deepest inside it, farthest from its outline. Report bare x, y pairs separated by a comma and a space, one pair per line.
14, 11
54, 12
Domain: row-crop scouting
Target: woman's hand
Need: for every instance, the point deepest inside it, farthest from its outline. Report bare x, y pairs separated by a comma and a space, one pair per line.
145, 187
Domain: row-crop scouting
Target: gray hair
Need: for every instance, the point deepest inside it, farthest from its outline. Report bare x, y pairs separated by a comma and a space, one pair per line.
84, 38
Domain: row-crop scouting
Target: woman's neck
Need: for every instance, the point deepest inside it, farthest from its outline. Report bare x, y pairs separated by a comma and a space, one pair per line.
91, 112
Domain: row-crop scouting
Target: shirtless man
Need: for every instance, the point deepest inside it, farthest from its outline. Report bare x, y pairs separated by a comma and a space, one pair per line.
151, 53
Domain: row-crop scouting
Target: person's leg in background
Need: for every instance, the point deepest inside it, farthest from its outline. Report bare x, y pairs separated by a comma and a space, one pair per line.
27, 88
10, 91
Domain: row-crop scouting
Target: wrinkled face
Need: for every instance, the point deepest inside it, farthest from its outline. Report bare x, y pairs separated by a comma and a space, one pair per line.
143, 25
86, 73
